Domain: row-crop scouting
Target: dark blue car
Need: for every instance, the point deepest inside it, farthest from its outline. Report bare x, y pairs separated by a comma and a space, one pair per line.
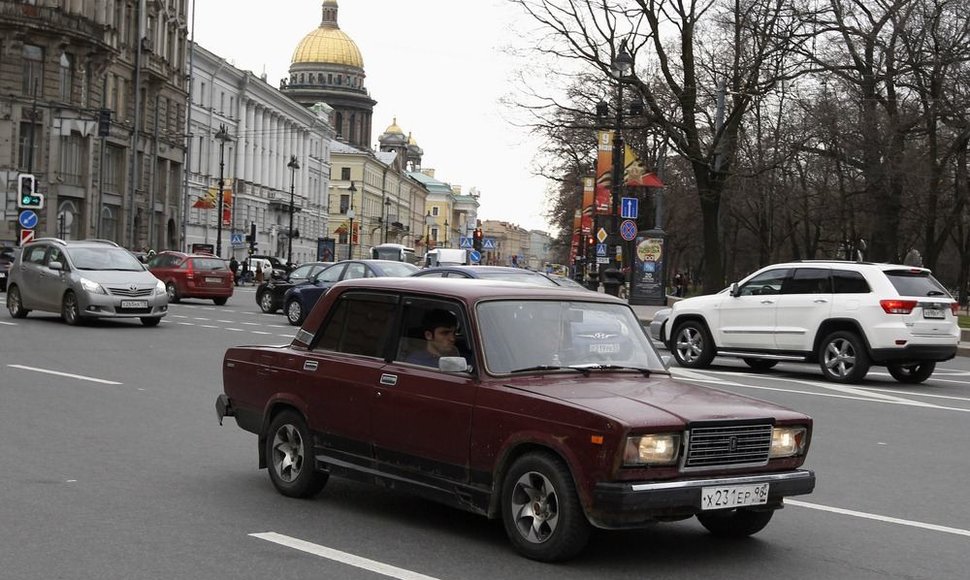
489, 273
299, 300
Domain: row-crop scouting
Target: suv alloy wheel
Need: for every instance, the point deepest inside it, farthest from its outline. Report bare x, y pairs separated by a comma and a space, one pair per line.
843, 358
692, 345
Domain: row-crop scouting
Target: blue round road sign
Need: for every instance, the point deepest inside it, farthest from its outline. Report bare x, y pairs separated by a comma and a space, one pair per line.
628, 230
28, 219
475, 256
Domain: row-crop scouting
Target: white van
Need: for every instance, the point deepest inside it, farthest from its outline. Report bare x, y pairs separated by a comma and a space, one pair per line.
446, 257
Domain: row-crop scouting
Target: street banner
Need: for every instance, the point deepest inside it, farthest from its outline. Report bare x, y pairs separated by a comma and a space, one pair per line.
586, 220
604, 172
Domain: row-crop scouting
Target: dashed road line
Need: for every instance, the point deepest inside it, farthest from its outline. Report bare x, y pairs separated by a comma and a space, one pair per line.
878, 518
68, 375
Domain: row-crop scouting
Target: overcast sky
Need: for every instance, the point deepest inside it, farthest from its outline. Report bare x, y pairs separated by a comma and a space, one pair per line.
436, 65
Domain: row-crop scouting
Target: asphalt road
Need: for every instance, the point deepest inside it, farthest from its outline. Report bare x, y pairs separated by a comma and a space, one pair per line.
118, 468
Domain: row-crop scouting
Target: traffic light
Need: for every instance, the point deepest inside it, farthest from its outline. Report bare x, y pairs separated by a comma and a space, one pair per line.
477, 239
251, 238
27, 199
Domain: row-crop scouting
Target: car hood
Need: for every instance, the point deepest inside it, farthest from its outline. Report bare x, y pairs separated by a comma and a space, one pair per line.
635, 400
119, 278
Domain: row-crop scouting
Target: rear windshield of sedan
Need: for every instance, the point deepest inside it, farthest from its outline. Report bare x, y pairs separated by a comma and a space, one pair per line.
916, 283
208, 264
398, 270
524, 277
104, 259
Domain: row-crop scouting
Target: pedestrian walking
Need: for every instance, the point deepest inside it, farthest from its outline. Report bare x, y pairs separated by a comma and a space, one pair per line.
233, 267
245, 270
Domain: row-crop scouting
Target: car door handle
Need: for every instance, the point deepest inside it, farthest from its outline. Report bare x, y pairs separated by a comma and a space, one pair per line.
266, 372
388, 379
820, 301
767, 301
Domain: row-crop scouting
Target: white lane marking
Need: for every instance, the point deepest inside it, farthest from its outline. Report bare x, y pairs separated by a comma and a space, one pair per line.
187, 323
226, 321
259, 332
200, 318
207, 326
915, 394
252, 324
285, 335
68, 375
342, 557
234, 329
8, 323
878, 518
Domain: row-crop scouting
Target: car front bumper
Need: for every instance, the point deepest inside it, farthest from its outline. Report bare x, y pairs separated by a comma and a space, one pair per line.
110, 306
633, 504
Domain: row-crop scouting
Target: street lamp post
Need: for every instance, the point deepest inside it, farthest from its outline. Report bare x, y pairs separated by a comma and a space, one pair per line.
350, 216
293, 165
446, 234
620, 69
223, 137
387, 211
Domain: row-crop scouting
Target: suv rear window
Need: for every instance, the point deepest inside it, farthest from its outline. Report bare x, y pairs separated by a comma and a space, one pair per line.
915, 283
849, 282
208, 264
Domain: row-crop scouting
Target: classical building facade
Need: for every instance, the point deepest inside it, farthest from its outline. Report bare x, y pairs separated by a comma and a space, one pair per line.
109, 164
517, 246
265, 132
327, 67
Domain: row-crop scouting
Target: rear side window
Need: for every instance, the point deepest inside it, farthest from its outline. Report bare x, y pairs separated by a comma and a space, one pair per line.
915, 283
360, 324
849, 282
808, 281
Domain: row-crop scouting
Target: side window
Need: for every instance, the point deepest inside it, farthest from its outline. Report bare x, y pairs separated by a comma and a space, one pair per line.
354, 270
769, 282
35, 255
331, 274
56, 255
808, 281
361, 324
431, 329
434, 275
849, 282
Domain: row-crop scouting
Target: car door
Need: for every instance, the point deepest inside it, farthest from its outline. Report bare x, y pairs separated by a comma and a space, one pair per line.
804, 303
53, 282
421, 415
747, 321
31, 268
310, 293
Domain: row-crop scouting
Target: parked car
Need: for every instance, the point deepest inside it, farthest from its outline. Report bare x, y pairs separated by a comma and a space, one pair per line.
565, 281
84, 279
515, 422
280, 268
7, 257
845, 316
193, 276
269, 294
488, 273
299, 300
658, 325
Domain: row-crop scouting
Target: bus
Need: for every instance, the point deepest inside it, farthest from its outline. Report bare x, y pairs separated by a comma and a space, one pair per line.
395, 252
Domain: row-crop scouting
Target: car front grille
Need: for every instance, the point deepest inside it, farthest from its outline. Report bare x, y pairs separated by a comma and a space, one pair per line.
129, 293
728, 445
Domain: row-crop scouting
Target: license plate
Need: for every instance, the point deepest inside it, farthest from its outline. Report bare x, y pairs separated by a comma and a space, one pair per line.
722, 498
134, 304
3, 274
933, 313
604, 348
210, 280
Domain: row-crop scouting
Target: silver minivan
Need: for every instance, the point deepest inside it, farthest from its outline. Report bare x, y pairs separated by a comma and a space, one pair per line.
84, 279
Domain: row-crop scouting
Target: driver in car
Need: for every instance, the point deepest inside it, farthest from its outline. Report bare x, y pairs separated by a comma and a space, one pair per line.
439, 328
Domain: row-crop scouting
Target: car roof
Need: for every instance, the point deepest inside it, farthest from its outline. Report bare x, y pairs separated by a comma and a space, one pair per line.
847, 264
478, 289
479, 268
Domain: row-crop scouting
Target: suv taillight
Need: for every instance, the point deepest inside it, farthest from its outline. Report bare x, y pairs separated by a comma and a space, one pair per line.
955, 308
898, 306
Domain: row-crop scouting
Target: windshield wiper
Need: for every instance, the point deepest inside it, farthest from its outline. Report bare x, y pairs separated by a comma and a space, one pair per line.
551, 368
935, 293
602, 367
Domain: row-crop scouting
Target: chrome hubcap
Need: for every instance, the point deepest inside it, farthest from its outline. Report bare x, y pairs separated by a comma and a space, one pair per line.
840, 357
690, 344
535, 507
288, 453
294, 311
267, 301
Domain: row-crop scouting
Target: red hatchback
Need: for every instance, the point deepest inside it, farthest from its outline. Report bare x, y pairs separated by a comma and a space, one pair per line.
193, 276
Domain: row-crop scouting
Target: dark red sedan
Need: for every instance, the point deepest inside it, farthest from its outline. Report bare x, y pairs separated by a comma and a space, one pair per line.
491, 397
193, 276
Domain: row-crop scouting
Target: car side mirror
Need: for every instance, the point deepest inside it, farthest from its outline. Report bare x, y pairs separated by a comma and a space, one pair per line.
453, 364
735, 290
55, 266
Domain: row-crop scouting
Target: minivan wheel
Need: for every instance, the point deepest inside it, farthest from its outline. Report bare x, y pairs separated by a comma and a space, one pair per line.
692, 345
220, 301
911, 373
15, 304
541, 511
69, 309
760, 364
294, 312
150, 320
737, 523
843, 358
266, 303
290, 458
173, 292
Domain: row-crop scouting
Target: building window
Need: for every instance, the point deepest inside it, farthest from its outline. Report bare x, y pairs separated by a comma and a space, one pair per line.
111, 175
68, 221
345, 173
33, 73
72, 157
109, 223
434, 234
30, 137
66, 76
344, 202
434, 211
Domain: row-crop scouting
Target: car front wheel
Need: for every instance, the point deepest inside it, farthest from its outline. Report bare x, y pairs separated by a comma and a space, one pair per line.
294, 312
290, 459
173, 292
69, 309
737, 523
692, 345
541, 511
912, 373
150, 320
220, 301
266, 303
15, 304
843, 358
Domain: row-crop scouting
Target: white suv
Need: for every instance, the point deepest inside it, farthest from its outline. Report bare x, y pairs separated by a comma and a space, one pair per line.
847, 316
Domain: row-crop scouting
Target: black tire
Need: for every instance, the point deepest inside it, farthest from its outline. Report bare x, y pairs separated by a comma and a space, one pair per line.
760, 364
289, 457
294, 312
541, 511
843, 358
15, 303
691, 345
266, 303
220, 301
150, 321
173, 292
739, 523
912, 373
70, 310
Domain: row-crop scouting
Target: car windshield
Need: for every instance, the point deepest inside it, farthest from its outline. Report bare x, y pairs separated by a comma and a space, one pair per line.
104, 259
519, 335
399, 269
916, 283
524, 276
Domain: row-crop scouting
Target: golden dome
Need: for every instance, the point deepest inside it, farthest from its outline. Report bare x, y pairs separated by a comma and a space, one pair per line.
328, 45
411, 140
393, 129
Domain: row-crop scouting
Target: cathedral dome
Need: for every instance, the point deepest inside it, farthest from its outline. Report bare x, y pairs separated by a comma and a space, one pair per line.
330, 46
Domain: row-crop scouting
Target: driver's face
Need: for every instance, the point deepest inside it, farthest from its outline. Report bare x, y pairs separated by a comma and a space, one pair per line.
441, 342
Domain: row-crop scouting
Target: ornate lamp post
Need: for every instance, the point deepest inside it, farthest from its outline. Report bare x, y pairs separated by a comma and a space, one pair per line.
446, 234
293, 165
387, 211
350, 216
223, 137
621, 67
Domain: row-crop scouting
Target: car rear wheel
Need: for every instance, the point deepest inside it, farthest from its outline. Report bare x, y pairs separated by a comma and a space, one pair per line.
173, 292
843, 358
294, 312
220, 301
541, 511
15, 304
69, 309
760, 364
150, 320
290, 459
266, 303
692, 345
912, 373
737, 523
